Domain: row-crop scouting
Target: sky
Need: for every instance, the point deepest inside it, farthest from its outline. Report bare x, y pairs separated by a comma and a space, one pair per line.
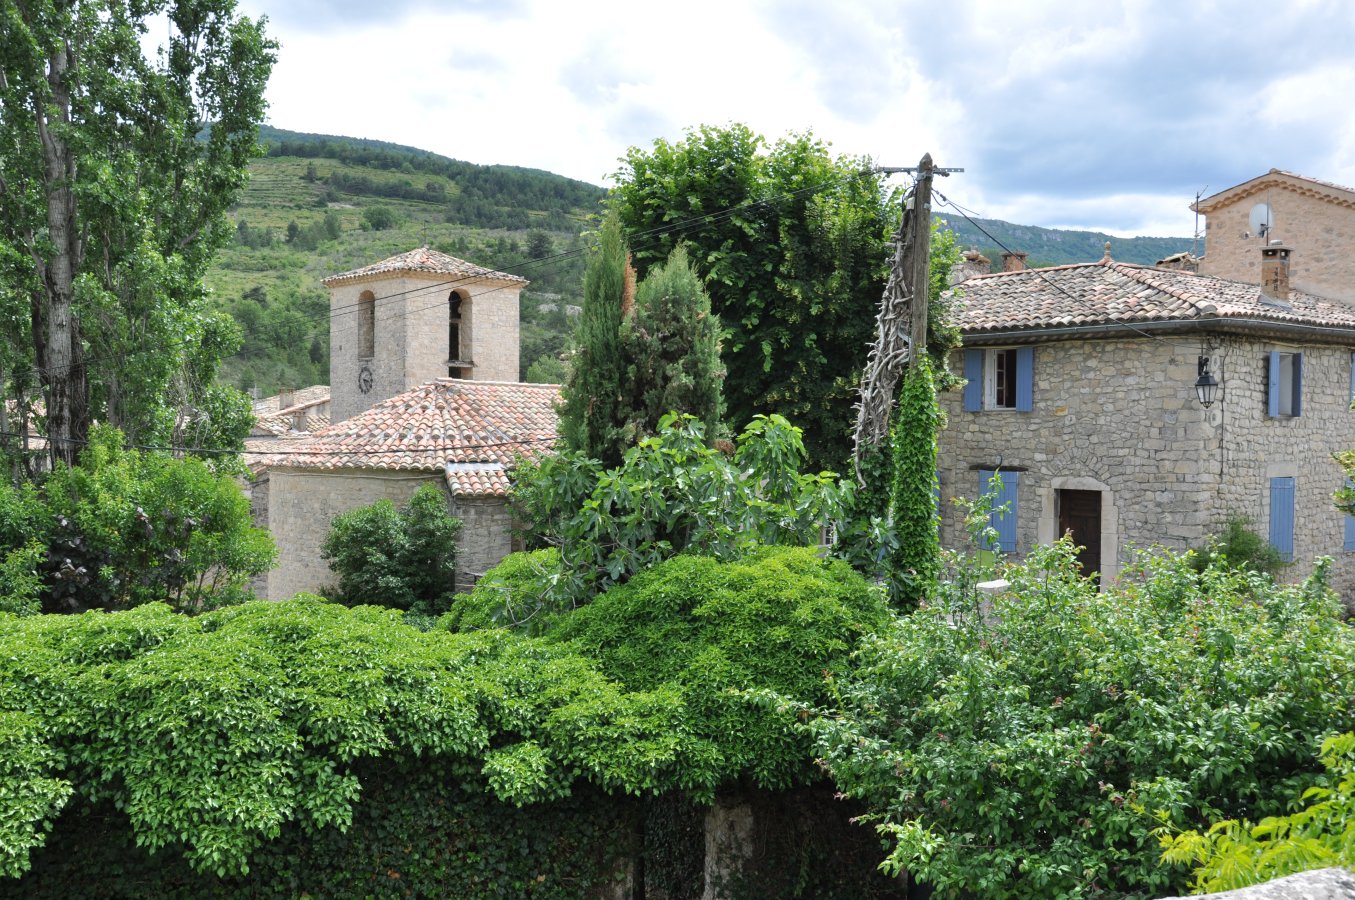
1101, 115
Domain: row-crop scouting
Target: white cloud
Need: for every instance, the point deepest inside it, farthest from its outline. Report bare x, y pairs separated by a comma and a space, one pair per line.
1096, 115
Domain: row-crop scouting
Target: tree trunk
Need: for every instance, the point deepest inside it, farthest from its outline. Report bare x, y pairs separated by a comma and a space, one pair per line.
56, 331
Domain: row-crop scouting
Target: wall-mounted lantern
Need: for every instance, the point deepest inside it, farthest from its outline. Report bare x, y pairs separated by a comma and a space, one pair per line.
1206, 387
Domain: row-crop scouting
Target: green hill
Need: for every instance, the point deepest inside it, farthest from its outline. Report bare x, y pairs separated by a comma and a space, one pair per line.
320, 204
1056, 246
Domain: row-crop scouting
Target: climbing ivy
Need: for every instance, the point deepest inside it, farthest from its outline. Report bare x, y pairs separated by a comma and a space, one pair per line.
916, 560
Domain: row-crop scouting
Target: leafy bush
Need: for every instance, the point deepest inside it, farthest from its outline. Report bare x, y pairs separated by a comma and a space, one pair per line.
124, 528
1034, 748
513, 593
404, 558
779, 619
213, 735
1234, 854
1238, 547
672, 494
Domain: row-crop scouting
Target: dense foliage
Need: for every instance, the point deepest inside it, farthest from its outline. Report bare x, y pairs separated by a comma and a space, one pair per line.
127, 527
672, 494
212, 734
792, 246
113, 210
1235, 853
1035, 747
1238, 547
671, 346
591, 401
916, 560
404, 558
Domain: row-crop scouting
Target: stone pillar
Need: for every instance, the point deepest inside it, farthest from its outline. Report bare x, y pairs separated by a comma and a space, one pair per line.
729, 843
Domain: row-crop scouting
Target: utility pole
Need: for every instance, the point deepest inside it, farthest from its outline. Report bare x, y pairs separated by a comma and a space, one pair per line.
918, 268
901, 326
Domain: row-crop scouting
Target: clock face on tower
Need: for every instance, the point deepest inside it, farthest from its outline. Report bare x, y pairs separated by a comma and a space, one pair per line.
364, 379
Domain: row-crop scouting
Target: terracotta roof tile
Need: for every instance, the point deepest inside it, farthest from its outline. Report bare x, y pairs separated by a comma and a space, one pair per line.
1092, 294
272, 418
425, 260
470, 430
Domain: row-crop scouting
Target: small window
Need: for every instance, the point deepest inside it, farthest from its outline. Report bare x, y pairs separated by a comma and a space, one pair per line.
1284, 387
456, 335
997, 379
1002, 520
1282, 516
366, 325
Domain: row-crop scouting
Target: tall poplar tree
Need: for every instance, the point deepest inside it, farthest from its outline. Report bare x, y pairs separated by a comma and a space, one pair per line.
591, 408
112, 204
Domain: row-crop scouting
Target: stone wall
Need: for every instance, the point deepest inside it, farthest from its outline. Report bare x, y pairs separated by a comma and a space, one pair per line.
1121, 417
486, 537
1321, 234
301, 505
411, 336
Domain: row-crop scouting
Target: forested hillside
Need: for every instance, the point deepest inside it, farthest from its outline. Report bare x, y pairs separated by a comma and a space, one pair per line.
319, 204
1056, 246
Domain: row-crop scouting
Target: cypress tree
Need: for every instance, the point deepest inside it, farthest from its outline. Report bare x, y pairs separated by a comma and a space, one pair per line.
671, 343
591, 399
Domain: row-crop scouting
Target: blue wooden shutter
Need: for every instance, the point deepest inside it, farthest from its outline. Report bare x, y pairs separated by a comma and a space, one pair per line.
1282, 516
1352, 380
1004, 522
1025, 378
1298, 384
1349, 543
973, 373
1273, 385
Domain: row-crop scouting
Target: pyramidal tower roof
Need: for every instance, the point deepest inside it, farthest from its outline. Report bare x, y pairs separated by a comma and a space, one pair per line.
426, 262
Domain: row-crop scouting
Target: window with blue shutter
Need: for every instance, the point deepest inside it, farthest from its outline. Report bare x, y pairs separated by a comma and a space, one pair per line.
1349, 543
1282, 516
1003, 521
1284, 384
1000, 378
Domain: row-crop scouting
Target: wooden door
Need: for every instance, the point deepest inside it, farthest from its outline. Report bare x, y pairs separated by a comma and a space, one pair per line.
1080, 514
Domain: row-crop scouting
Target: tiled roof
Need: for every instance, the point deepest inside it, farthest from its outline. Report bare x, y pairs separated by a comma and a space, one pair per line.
272, 418
1316, 187
470, 430
1108, 292
425, 260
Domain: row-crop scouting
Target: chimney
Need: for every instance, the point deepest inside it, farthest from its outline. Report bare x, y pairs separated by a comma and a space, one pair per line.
285, 396
1014, 261
1275, 273
973, 263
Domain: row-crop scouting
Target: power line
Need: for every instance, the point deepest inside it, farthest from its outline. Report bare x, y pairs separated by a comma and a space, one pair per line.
1045, 277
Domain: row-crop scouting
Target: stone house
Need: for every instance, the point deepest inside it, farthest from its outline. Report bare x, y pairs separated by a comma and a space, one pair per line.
1315, 219
423, 390
1081, 393
461, 435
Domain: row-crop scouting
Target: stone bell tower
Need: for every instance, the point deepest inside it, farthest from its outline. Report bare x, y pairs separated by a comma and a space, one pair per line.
409, 319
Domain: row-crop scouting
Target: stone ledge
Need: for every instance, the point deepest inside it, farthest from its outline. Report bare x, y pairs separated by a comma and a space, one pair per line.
1319, 884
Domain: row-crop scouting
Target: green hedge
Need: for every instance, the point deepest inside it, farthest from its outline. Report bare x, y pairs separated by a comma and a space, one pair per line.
220, 738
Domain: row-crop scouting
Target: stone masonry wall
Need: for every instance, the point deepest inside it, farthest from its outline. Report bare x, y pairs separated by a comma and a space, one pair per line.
1120, 416
410, 338
301, 505
386, 365
486, 537
1258, 447
1321, 234
1115, 416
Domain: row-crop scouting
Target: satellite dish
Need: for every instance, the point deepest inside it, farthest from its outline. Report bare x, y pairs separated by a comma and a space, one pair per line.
1259, 222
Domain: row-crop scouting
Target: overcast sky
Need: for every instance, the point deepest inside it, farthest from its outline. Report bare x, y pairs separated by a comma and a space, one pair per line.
1102, 115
